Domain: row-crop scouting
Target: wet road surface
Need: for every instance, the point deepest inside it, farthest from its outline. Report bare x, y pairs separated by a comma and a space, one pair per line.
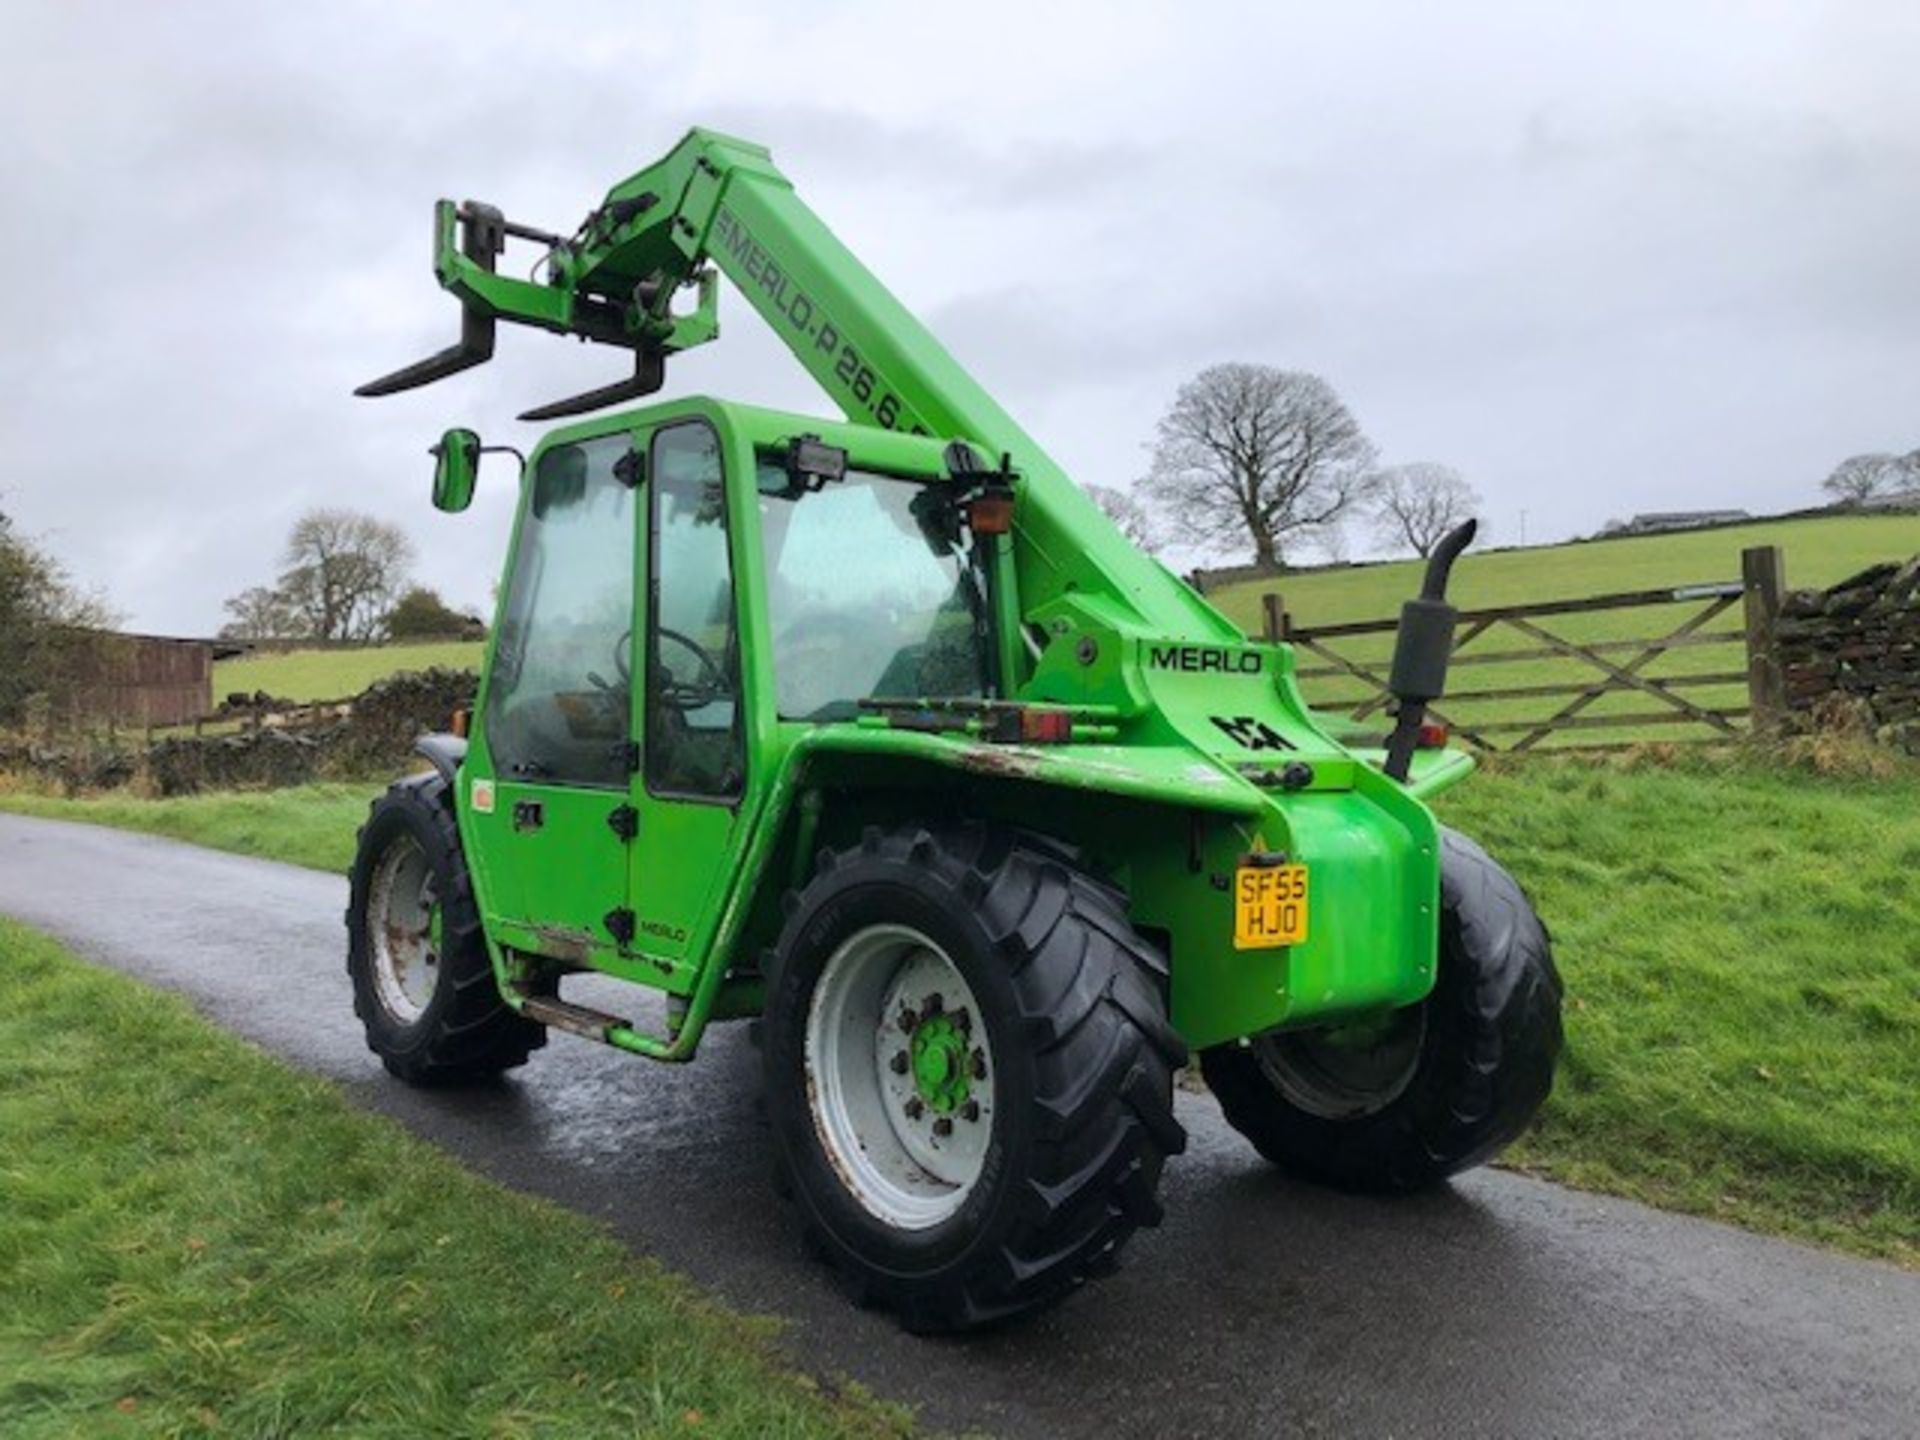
1501, 1306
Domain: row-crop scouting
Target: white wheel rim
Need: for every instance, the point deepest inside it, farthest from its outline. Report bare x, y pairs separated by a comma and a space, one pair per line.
908, 1139
403, 922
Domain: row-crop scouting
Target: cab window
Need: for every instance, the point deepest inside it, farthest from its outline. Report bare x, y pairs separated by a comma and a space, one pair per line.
557, 703
694, 745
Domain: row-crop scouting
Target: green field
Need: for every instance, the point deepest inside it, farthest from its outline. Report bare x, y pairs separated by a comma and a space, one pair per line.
307, 675
1818, 553
1740, 936
197, 1240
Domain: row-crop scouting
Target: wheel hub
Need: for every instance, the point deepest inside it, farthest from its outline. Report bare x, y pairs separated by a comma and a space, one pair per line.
940, 1064
900, 1076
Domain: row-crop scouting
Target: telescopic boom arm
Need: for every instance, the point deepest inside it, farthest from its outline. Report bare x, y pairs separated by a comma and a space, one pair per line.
717, 204
711, 200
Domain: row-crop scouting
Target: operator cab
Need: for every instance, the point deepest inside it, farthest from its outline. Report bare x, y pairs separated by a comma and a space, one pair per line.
620, 696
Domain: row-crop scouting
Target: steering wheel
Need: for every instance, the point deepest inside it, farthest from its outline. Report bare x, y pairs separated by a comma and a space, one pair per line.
708, 686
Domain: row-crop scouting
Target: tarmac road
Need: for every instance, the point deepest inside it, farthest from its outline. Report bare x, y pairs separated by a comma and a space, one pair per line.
1500, 1306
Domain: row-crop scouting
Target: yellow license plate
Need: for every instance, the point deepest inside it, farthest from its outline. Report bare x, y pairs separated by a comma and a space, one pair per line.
1269, 906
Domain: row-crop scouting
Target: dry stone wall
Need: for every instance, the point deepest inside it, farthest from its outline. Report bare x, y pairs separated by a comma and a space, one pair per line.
1857, 645
372, 735
1208, 581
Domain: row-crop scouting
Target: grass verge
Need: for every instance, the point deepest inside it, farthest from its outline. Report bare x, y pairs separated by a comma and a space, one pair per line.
1740, 942
196, 1240
311, 825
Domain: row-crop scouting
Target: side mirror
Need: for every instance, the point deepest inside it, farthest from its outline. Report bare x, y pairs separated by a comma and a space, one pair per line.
456, 460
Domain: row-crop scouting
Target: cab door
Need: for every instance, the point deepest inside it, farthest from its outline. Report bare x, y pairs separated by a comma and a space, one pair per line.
693, 756
547, 804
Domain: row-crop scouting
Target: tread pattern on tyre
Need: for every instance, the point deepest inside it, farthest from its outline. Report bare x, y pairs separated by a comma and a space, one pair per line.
468, 1033
1494, 1037
1090, 993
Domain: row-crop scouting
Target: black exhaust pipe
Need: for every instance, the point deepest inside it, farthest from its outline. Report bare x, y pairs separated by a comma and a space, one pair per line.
1422, 649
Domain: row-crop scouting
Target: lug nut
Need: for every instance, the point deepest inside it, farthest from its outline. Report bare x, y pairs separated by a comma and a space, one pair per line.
899, 1062
970, 1111
963, 1017
943, 1127
915, 1109
979, 1064
935, 1003
908, 1020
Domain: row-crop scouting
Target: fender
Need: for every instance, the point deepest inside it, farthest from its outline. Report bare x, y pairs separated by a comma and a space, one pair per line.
444, 753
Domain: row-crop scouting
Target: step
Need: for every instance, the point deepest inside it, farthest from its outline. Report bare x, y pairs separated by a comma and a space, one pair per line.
580, 1020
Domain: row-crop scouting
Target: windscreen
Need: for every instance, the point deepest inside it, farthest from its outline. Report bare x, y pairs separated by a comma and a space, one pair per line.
872, 593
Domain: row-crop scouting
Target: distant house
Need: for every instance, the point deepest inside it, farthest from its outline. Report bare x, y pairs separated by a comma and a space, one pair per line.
1660, 521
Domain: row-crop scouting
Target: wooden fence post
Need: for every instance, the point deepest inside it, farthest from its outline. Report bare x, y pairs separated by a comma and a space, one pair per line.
1763, 578
1272, 611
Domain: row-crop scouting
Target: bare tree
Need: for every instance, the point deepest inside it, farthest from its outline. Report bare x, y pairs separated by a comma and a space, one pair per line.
1861, 477
1133, 519
260, 612
344, 570
1248, 450
1417, 504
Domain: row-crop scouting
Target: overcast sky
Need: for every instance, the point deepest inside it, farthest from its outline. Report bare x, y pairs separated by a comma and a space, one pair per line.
1659, 256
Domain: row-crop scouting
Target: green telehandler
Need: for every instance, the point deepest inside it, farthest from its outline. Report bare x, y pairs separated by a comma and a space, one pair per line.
876, 731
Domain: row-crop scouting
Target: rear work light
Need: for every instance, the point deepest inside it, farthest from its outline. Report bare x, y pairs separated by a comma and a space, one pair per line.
1433, 736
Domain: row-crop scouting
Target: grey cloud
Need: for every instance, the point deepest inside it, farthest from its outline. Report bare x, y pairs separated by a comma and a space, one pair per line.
1657, 260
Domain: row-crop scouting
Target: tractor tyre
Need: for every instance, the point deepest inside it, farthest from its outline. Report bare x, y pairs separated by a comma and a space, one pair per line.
422, 983
969, 1072
1433, 1088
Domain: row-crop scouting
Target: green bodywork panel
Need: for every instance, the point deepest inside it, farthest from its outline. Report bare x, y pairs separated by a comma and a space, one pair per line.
1184, 730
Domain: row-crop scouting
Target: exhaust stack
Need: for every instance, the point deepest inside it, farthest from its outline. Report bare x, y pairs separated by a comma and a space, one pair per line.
1421, 650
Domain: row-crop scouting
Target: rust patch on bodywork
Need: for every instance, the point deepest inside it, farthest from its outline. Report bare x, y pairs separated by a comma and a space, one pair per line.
1077, 771
575, 947
1002, 762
